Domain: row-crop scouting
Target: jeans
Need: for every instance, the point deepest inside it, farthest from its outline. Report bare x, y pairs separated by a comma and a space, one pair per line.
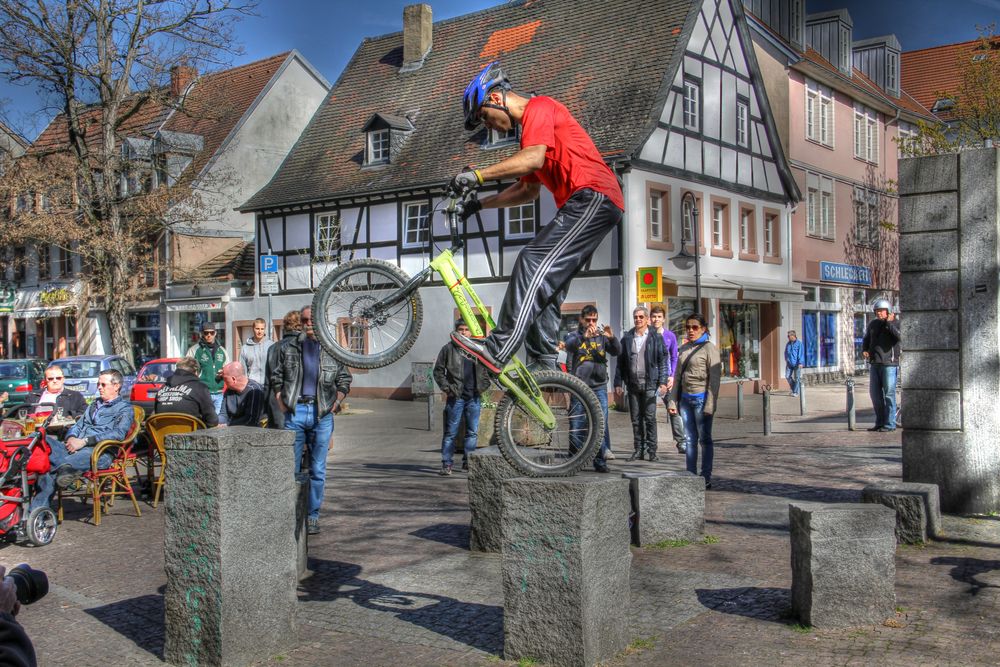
217, 402
80, 460
676, 423
642, 410
882, 389
457, 410
794, 376
302, 421
699, 431
577, 424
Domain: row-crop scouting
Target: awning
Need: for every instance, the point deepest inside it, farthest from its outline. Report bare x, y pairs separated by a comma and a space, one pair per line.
720, 289
197, 306
28, 302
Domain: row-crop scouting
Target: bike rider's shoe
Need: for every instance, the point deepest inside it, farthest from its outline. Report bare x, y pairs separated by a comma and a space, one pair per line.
476, 348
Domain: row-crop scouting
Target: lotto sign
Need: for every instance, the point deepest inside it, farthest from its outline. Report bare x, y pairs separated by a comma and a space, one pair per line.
649, 285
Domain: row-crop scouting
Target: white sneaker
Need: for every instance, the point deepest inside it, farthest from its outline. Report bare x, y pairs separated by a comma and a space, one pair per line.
609, 455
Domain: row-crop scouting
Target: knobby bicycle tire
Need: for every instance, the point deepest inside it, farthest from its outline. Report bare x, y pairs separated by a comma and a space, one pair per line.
538, 453
349, 325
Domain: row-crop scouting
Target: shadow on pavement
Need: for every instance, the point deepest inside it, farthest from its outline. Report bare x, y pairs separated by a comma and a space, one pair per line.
452, 534
764, 604
139, 619
967, 569
805, 492
476, 625
410, 467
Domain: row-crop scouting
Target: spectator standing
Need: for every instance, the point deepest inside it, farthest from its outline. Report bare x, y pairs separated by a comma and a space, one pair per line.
244, 401
211, 357
642, 370
795, 355
184, 392
253, 354
657, 318
696, 393
291, 327
587, 351
462, 380
108, 418
880, 347
310, 386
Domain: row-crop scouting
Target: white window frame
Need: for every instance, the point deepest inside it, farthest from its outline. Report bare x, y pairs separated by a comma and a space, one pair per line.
496, 138
819, 114
742, 122
866, 131
378, 146
520, 216
416, 223
719, 211
770, 220
692, 105
866, 222
656, 198
820, 207
327, 235
795, 21
748, 245
688, 222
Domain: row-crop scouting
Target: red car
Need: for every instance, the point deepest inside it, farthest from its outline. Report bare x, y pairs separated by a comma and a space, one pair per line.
150, 379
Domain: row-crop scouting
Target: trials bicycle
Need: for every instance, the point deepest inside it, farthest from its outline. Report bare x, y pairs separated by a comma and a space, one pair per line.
367, 314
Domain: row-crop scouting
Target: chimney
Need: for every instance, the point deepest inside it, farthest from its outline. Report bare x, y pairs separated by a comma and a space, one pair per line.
418, 30
181, 77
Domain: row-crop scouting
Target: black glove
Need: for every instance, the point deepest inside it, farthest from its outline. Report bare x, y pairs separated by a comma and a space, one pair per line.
467, 180
471, 207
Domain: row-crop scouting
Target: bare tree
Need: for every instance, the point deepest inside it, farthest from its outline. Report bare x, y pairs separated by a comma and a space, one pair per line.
104, 64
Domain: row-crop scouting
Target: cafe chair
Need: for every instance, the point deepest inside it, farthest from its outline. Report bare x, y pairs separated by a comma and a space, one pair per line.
158, 427
103, 485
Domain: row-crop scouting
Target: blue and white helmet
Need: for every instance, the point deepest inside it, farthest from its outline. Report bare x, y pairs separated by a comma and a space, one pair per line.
488, 78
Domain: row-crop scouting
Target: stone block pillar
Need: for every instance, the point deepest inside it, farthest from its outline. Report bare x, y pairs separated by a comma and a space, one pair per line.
843, 563
948, 261
229, 546
666, 506
565, 564
487, 471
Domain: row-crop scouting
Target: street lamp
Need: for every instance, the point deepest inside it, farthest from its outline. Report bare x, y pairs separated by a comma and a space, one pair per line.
692, 209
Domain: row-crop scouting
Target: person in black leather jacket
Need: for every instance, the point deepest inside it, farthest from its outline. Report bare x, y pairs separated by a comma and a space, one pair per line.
463, 380
642, 369
880, 347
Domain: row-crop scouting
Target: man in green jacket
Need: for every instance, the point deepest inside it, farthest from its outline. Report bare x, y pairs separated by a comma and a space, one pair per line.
212, 357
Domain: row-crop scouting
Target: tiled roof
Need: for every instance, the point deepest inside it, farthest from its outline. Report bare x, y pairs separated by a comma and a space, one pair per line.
607, 61
236, 263
928, 72
211, 109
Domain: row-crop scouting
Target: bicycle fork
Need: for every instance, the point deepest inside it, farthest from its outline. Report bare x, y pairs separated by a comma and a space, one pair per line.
515, 378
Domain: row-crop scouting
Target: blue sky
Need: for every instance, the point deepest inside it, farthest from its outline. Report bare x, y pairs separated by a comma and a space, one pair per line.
328, 32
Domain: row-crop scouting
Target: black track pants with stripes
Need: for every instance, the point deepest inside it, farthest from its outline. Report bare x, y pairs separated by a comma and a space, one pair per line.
530, 312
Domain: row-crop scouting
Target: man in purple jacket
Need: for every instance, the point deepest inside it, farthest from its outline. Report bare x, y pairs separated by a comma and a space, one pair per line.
657, 315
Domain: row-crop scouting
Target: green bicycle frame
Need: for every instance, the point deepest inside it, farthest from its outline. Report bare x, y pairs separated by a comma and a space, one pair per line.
515, 377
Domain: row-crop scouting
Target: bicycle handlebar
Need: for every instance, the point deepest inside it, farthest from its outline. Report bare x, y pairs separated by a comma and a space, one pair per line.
456, 205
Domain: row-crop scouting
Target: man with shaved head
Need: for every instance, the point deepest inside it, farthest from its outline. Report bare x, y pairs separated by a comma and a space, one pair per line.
244, 401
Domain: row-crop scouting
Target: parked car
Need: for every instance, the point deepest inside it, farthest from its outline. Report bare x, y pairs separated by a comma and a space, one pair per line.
81, 372
150, 380
19, 377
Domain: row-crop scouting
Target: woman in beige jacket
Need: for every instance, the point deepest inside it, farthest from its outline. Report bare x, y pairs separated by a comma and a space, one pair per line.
696, 392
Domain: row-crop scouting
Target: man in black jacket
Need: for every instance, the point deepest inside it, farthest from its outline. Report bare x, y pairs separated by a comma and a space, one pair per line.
587, 351
184, 392
310, 386
462, 380
291, 327
642, 368
880, 347
72, 403
244, 400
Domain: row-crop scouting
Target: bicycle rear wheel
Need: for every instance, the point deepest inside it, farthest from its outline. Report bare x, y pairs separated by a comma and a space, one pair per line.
353, 324
563, 450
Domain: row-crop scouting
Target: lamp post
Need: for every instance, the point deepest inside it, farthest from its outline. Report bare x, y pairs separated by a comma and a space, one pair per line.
693, 211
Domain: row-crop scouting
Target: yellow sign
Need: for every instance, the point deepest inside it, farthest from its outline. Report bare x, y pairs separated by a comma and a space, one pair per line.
649, 284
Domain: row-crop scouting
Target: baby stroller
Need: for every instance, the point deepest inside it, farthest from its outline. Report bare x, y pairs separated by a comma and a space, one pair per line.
22, 460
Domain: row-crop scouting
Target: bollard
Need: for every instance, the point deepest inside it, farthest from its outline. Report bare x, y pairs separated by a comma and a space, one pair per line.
851, 419
766, 411
430, 412
739, 398
802, 394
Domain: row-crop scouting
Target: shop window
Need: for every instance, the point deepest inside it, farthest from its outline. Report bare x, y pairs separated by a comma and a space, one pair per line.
739, 339
819, 337
828, 295
678, 310
860, 325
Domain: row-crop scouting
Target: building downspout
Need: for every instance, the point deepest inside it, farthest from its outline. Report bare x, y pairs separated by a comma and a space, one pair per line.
623, 249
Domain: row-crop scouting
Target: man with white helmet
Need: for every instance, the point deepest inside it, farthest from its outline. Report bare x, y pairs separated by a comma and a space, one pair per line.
881, 348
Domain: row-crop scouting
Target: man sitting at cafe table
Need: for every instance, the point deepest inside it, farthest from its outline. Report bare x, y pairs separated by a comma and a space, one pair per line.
108, 418
72, 403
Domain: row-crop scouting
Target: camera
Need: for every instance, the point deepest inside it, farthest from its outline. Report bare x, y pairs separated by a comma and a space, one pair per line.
32, 585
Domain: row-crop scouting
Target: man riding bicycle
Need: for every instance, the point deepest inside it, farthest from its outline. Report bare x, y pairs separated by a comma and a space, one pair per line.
558, 153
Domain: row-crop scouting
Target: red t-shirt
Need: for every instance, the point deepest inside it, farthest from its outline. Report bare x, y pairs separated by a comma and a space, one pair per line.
572, 161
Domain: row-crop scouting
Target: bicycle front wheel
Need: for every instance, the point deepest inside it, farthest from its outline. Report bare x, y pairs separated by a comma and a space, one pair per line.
353, 323
563, 450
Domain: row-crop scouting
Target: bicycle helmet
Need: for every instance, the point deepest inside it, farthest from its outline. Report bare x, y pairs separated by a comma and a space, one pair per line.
881, 304
479, 88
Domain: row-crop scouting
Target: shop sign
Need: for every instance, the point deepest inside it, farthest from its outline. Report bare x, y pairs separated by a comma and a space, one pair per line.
7, 297
849, 274
194, 307
649, 284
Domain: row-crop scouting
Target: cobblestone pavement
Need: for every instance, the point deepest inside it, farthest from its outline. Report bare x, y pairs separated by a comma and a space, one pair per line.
393, 582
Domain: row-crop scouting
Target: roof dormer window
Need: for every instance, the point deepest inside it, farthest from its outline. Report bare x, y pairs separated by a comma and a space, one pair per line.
384, 138
497, 138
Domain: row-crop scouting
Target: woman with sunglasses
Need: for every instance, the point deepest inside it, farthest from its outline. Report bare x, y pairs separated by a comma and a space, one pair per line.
696, 393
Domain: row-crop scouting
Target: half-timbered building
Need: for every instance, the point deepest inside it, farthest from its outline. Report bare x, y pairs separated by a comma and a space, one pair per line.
670, 93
